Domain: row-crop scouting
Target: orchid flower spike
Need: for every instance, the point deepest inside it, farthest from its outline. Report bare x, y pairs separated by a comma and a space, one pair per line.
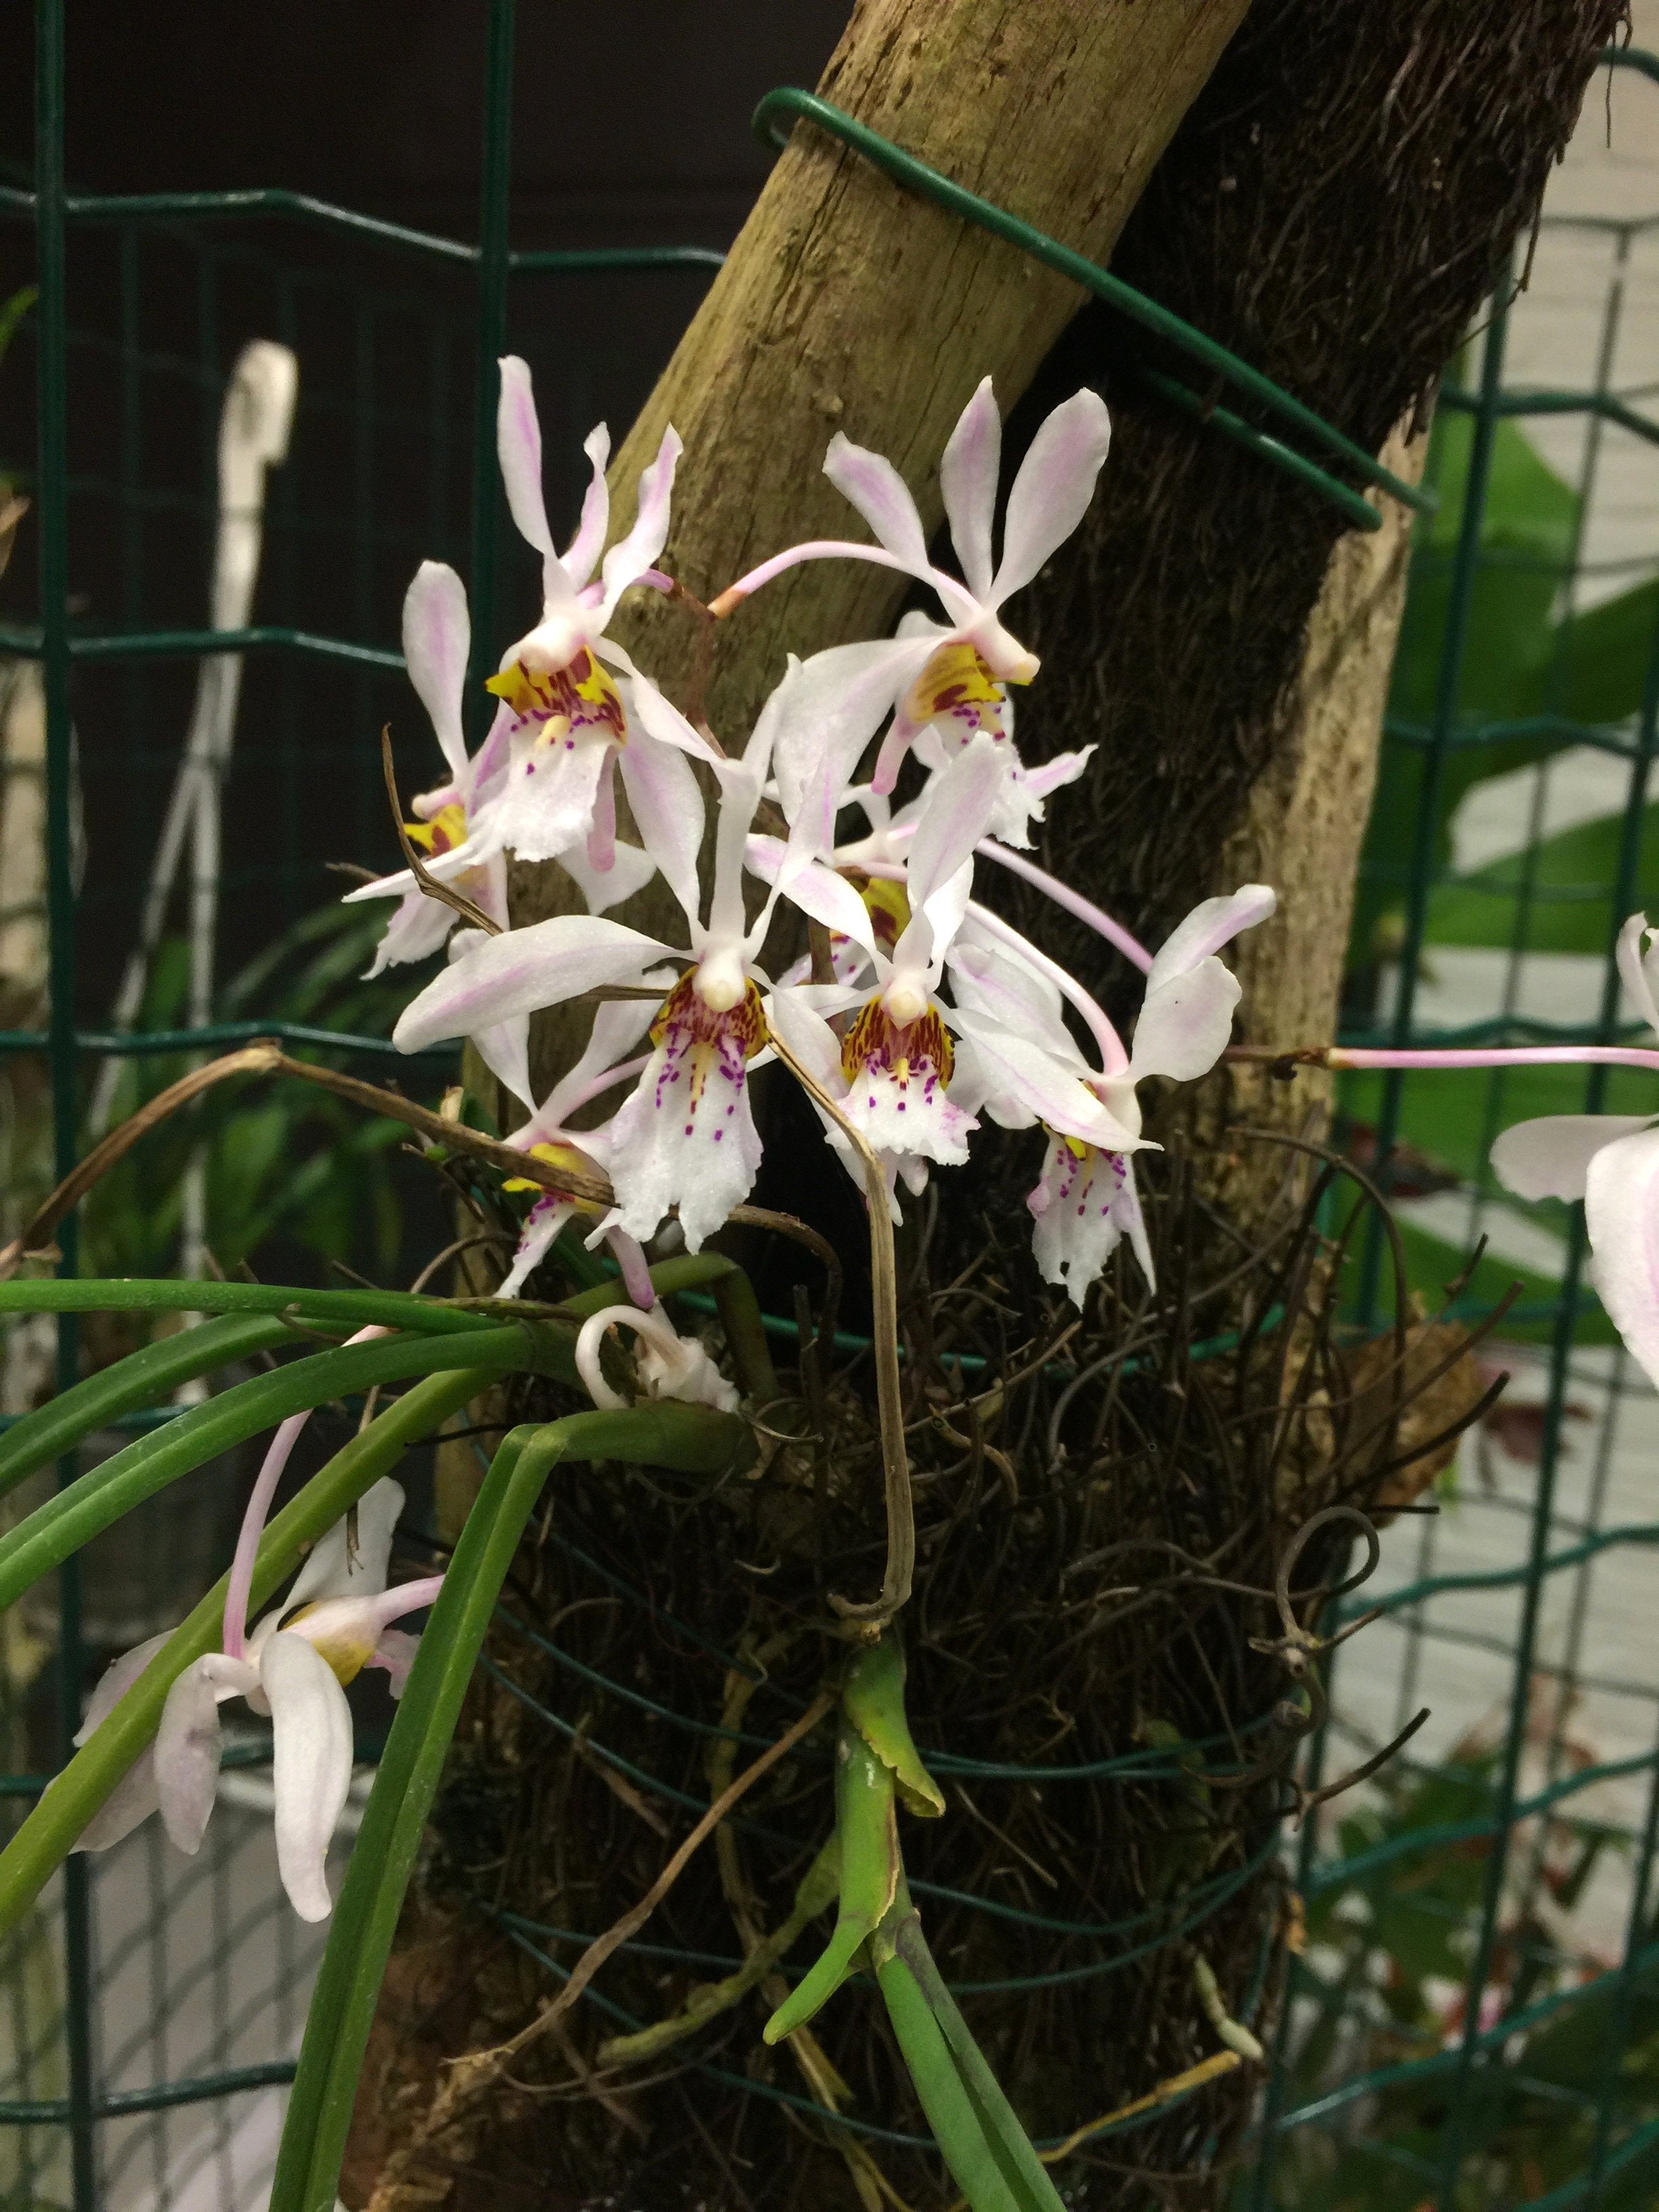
1612, 1162
950, 680
1085, 1199
563, 720
335, 1621
668, 1365
437, 639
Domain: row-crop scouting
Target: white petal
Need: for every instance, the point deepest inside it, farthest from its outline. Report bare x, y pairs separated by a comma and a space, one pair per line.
808, 1037
881, 496
1185, 1024
1081, 1208
632, 555
311, 1766
328, 1571
541, 1225
1051, 494
968, 478
912, 1114
546, 802
437, 638
396, 1652
667, 805
1043, 1085
665, 720
1621, 1212
630, 871
1210, 925
1636, 966
835, 705
519, 449
584, 548
1550, 1157
618, 1025
187, 1744
993, 981
955, 810
415, 931
522, 969
133, 1799
828, 898
686, 1137
116, 1679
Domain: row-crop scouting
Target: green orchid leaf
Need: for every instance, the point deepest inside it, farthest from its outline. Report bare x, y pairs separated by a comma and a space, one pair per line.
970, 2148
692, 1438
873, 1700
50, 1830
84, 1508
866, 1826
146, 1377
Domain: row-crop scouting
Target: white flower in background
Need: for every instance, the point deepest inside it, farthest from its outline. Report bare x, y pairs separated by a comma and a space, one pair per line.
1085, 1199
335, 1621
1612, 1162
949, 679
563, 718
668, 1365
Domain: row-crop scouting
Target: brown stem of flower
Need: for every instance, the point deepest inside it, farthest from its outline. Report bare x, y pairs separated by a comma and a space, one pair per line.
702, 667
442, 892
883, 1286
1291, 1057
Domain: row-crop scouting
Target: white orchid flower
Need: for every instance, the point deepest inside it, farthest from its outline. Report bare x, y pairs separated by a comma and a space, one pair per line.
1612, 1162
1086, 1200
668, 1365
686, 1138
950, 679
801, 1029
437, 638
335, 1621
563, 719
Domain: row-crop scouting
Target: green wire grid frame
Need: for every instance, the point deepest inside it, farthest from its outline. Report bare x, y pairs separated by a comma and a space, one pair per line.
1294, 2111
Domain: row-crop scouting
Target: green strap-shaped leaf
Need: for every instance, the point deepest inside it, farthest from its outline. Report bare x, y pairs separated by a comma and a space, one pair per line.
52, 1828
692, 1438
874, 1701
868, 1827
969, 2151
148, 1377
1010, 2145
346, 1310
84, 1508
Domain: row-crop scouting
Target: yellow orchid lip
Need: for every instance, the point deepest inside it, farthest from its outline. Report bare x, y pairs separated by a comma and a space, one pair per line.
957, 682
442, 834
556, 1155
581, 694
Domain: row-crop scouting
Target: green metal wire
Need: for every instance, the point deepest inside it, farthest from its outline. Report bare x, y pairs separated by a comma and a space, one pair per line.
790, 103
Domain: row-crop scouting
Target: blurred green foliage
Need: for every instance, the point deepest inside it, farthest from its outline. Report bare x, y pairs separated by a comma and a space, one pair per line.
286, 1163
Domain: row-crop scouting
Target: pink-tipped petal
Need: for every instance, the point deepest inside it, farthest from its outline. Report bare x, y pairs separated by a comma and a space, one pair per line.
957, 804
996, 984
133, 1799
630, 871
582, 553
1043, 1085
1621, 1214
1636, 966
633, 1268
1051, 494
968, 478
437, 638
1185, 1024
629, 558
518, 447
116, 1679
523, 969
1212, 924
882, 497
311, 1765
396, 1653
1550, 1157
668, 808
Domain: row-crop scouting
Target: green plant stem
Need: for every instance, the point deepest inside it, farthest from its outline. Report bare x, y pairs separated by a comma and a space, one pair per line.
145, 1377
81, 1511
69, 1801
664, 1434
346, 1310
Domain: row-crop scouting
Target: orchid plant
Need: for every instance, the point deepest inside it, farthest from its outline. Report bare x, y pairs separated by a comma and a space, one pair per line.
914, 1016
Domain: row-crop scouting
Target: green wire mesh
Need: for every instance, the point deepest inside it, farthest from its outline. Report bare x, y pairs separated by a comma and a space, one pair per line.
1452, 2034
